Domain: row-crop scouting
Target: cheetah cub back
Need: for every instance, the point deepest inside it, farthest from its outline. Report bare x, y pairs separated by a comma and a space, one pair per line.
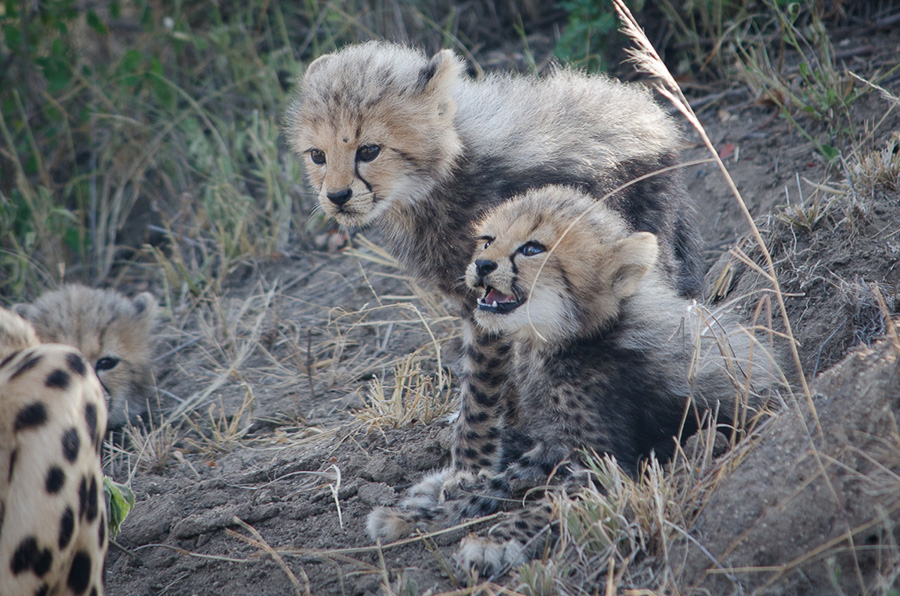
53, 520
112, 332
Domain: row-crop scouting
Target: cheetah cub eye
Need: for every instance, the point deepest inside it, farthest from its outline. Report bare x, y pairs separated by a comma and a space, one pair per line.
530, 249
106, 363
367, 153
317, 156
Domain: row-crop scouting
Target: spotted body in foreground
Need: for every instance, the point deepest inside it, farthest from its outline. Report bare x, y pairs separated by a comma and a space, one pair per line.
417, 148
113, 332
606, 358
53, 519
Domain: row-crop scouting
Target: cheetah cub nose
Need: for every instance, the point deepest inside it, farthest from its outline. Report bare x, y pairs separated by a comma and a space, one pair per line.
339, 197
483, 267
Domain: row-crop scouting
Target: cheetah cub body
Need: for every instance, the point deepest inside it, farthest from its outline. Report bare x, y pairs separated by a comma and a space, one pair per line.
112, 332
606, 358
53, 520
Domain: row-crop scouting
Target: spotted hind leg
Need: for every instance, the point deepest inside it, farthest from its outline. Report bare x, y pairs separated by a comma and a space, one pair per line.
443, 499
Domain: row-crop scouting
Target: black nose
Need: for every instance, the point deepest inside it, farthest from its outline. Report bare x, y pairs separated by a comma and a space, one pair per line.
483, 267
339, 197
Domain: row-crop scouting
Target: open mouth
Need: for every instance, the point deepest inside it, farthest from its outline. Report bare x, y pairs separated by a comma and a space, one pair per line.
498, 302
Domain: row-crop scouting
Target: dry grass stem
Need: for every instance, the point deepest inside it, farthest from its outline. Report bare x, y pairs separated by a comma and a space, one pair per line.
261, 544
647, 59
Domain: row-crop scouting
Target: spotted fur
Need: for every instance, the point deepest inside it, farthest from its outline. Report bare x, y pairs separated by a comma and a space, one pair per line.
412, 145
53, 519
113, 333
606, 358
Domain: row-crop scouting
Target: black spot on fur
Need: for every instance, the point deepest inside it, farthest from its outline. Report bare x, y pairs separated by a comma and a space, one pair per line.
58, 379
56, 478
66, 527
80, 572
12, 464
488, 448
93, 500
470, 453
29, 555
42, 590
483, 399
477, 417
101, 531
31, 416
10, 357
76, 363
71, 444
82, 496
26, 366
90, 416
94, 591
486, 377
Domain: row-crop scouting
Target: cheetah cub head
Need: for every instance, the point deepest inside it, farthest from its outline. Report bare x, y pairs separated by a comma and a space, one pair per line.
554, 264
114, 335
374, 125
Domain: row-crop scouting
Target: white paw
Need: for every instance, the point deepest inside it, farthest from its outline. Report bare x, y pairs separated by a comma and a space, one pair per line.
437, 487
388, 524
489, 556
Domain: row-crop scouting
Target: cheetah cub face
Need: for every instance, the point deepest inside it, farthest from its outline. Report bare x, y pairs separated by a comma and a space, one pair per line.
114, 335
374, 126
554, 264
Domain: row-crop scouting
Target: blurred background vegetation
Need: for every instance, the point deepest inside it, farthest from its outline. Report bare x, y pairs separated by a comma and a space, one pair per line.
139, 139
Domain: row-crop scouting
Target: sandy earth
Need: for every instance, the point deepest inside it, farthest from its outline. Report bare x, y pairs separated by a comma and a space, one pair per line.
299, 339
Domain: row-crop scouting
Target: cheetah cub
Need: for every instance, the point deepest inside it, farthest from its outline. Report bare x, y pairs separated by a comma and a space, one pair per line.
52, 512
112, 332
606, 357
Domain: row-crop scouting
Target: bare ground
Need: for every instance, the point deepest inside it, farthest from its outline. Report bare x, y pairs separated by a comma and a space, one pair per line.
273, 372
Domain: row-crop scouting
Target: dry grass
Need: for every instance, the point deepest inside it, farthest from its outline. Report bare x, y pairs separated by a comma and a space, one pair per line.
415, 397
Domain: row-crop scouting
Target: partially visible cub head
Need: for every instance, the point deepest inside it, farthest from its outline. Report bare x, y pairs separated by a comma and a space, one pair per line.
114, 335
553, 264
374, 126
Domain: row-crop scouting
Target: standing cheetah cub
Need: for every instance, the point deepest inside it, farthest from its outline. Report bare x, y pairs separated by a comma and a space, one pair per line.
606, 357
414, 146
53, 516
112, 332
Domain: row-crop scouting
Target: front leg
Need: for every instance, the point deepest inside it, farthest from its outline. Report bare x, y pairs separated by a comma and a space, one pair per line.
487, 398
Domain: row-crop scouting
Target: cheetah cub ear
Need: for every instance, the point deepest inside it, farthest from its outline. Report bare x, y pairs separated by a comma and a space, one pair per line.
145, 307
633, 257
316, 64
27, 311
436, 80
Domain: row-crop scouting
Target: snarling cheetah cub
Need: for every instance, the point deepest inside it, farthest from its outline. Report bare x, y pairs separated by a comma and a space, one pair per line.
53, 517
112, 332
606, 357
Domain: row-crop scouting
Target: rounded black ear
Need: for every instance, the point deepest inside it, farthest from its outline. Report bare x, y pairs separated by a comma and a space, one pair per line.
440, 73
145, 305
26, 311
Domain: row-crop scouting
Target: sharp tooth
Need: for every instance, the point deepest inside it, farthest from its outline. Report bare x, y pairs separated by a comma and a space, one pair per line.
494, 304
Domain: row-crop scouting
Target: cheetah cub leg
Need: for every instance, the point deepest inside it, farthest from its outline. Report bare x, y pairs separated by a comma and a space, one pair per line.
443, 499
519, 537
488, 400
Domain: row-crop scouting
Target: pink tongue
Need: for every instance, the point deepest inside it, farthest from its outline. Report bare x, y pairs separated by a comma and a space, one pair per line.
498, 297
